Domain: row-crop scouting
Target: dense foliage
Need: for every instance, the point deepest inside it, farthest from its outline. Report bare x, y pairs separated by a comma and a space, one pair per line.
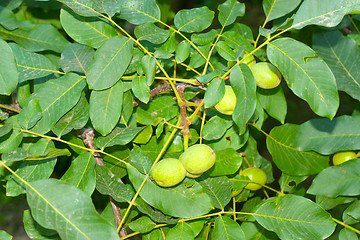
94, 93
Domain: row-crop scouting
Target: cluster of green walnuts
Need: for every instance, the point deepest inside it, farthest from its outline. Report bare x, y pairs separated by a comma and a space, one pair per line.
266, 75
199, 158
193, 162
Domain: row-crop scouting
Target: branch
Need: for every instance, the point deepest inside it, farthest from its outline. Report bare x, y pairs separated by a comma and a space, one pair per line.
87, 135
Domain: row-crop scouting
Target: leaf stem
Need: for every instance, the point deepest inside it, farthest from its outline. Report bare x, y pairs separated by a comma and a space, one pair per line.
346, 225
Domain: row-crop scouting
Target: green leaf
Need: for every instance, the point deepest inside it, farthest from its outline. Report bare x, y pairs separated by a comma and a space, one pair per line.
351, 215
31, 65
343, 179
91, 31
119, 136
328, 14
237, 41
105, 108
289, 159
197, 59
182, 51
140, 160
110, 7
307, 76
214, 129
76, 118
5, 236
10, 141
159, 107
218, 189
154, 214
77, 219
228, 162
77, 58
81, 7
214, 93
8, 72
29, 115
148, 65
109, 63
294, 217
107, 183
277, 8
225, 51
182, 231
274, 102
204, 38
11, 4
81, 173
226, 228
346, 234
193, 20
329, 203
229, 11
150, 32
56, 97
140, 88
30, 171
253, 230
244, 86
340, 53
180, 201
143, 224
35, 230
327, 136
139, 12
231, 139
43, 37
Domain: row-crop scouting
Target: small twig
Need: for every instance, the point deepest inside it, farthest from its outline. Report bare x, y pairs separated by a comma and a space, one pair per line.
87, 135
118, 217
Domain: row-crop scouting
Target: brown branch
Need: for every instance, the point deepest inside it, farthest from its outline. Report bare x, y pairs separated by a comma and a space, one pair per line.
87, 135
118, 217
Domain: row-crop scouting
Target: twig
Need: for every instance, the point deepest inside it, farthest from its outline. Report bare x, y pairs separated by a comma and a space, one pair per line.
87, 135
118, 217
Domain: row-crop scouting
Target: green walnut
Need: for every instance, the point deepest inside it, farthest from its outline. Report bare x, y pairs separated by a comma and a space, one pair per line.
255, 175
198, 158
342, 157
228, 103
266, 75
168, 172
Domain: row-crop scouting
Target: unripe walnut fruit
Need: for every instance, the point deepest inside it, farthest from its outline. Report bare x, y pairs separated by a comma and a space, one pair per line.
168, 172
249, 60
341, 157
228, 103
198, 158
266, 75
255, 175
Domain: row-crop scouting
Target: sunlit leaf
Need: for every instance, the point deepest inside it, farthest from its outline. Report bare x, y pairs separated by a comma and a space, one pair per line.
150, 32
139, 12
343, 179
109, 63
142, 225
289, 159
226, 228
327, 13
218, 189
228, 162
56, 97
8, 71
277, 8
91, 31
341, 54
193, 20
35, 230
229, 10
307, 76
31, 65
294, 217
244, 86
77, 219
105, 108
76, 57
81, 173
182, 231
